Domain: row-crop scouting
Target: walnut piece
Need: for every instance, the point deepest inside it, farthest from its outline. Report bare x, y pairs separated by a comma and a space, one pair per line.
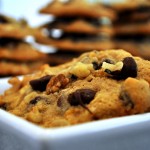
81, 70
56, 82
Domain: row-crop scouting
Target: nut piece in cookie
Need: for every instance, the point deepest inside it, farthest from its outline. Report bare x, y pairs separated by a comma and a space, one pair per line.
81, 70
56, 83
135, 95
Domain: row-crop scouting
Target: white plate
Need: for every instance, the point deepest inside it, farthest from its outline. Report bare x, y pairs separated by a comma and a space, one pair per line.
124, 133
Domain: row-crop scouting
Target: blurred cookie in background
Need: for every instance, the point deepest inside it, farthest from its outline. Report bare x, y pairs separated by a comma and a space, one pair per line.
77, 27
121, 5
132, 26
84, 8
17, 56
76, 42
80, 25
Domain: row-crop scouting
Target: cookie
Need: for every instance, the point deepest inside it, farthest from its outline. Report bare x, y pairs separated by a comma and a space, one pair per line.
136, 29
141, 49
129, 5
95, 86
133, 16
12, 68
11, 28
75, 42
80, 26
18, 50
77, 8
61, 57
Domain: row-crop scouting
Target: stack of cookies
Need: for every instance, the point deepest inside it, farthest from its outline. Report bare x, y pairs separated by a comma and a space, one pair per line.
132, 28
78, 26
17, 56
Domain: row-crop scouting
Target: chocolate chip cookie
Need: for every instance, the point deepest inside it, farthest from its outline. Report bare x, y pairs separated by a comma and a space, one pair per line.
95, 86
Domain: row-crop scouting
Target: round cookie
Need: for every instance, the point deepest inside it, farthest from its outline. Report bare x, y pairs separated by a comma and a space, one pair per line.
78, 8
75, 42
10, 68
129, 5
130, 29
17, 50
91, 26
95, 86
11, 28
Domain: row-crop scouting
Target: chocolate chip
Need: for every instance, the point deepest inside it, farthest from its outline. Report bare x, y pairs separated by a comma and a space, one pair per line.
129, 69
3, 106
81, 97
127, 101
35, 100
96, 66
39, 98
41, 83
74, 77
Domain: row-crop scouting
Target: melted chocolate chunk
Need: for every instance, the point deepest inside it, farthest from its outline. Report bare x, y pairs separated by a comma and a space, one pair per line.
41, 83
81, 97
129, 69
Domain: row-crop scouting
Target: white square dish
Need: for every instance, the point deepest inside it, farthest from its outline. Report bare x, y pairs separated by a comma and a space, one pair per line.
124, 133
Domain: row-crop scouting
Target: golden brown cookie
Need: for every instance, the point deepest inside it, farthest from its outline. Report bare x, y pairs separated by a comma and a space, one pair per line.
76, 42
134, 16
9, 27
95, 86
14, 49
141, 49
9, 68
61, 57
92, 26
77, 8
130, 29
128, 4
